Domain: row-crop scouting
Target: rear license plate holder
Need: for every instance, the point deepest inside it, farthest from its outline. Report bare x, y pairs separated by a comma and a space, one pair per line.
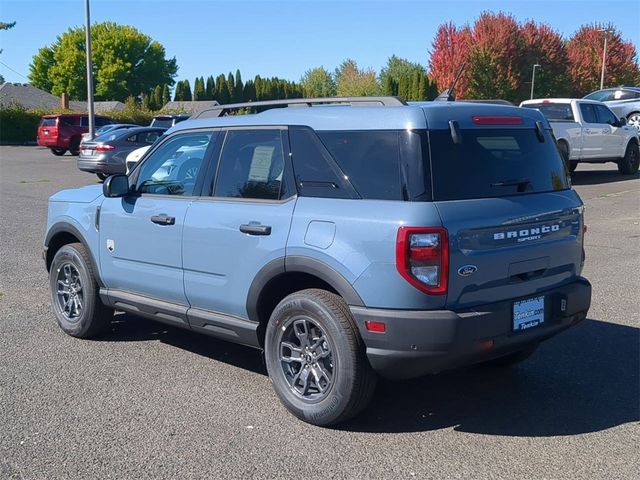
528, 313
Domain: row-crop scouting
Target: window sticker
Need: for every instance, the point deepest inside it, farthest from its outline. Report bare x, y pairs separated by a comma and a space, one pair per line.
261, 163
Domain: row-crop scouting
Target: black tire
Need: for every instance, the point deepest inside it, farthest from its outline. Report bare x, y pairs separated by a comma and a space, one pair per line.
563, 148
58, 152
87, 317
74, 147
628, 165
337, 361
102, 176
512, 358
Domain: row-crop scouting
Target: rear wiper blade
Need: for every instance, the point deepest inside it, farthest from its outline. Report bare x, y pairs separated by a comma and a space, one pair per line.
520, 182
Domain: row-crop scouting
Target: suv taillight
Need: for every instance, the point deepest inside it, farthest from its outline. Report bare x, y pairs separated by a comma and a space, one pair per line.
422, 258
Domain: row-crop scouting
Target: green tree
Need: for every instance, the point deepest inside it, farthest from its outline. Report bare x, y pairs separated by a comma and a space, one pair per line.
222, 92
166, 98
157, 98
126, 62
6, 26
351, 81
403, 78
318, 82
199, 91
239, 88
231, 88
210, 89
148, 102
186, 89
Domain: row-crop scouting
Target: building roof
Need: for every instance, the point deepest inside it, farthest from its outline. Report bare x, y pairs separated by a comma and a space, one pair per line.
192, 107
27, 96
30, 97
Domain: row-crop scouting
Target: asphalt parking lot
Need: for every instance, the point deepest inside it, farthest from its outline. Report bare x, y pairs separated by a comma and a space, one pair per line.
150, 401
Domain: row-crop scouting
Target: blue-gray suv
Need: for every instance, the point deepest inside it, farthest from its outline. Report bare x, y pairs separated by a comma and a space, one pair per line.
346, 238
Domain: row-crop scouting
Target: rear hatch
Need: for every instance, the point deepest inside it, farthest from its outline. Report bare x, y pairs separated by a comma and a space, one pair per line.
504, 196
48, 131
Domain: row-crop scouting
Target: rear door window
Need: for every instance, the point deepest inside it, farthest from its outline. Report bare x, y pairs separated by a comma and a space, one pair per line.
370, 160
252, 165
316, 172
588, 113
494, 163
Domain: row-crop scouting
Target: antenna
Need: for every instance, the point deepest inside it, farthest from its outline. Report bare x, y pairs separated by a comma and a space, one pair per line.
447, 95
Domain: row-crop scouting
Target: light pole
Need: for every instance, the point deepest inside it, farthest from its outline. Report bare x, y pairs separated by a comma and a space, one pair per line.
533, 78
604, 56
87, 29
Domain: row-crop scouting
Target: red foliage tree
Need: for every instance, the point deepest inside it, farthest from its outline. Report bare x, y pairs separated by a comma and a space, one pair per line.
450, 51
545, 47
584, 57
497, 59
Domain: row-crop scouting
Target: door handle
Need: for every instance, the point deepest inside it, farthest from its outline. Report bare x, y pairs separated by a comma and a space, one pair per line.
163, 219
254, 229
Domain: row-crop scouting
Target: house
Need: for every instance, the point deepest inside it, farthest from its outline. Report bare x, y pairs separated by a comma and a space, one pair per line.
32, 98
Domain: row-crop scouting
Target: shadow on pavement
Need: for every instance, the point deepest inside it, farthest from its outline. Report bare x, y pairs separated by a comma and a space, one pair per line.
130, 328
598, 177
584, 380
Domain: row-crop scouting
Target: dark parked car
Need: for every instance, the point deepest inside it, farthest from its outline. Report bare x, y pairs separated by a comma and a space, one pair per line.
64, 132
168, 121
623, 102
106, 154
107, 128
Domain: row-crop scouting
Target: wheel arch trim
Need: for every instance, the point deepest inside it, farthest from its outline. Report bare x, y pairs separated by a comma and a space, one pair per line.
68, 228
299, 264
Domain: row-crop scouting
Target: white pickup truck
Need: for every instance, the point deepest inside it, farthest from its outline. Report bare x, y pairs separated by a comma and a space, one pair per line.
587, 131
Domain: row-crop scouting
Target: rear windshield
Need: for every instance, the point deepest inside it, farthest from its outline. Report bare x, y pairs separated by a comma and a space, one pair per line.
162, 122
494, 163
555, 112
48, 122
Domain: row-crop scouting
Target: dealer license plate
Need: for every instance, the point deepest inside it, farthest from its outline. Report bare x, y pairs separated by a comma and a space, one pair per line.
528, 313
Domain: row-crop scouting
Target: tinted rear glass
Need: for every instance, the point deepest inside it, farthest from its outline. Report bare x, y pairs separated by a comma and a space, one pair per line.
162, 123
494, 163
555, 112
370, 160
48, 122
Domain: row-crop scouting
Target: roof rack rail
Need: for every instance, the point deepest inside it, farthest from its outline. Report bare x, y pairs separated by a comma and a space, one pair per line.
222, 110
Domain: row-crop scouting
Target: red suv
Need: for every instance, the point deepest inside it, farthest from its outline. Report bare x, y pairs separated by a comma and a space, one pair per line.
63, 132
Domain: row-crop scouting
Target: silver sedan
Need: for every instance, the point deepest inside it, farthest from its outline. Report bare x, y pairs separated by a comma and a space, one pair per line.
623, 101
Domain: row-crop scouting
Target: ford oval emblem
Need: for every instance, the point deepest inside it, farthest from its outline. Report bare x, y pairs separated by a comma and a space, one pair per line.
467, 270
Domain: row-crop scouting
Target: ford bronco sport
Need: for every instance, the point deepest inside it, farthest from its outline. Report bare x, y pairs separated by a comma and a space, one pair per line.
362, 237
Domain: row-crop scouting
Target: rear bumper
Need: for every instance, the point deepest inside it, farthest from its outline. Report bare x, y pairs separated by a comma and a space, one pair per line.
420, 342
100, 165
53, 142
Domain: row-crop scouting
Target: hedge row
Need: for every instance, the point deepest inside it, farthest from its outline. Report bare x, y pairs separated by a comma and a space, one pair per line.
20, 126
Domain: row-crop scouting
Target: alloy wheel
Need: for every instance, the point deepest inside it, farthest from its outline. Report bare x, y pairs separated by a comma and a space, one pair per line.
306, 359
69, 292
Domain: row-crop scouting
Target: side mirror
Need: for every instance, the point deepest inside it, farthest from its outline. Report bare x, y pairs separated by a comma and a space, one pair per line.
622, 121
115, 186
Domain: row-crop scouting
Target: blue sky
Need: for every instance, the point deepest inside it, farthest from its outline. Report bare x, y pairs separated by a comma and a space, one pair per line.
285, 38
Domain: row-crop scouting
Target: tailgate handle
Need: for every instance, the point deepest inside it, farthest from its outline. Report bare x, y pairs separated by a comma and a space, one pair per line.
523, 277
